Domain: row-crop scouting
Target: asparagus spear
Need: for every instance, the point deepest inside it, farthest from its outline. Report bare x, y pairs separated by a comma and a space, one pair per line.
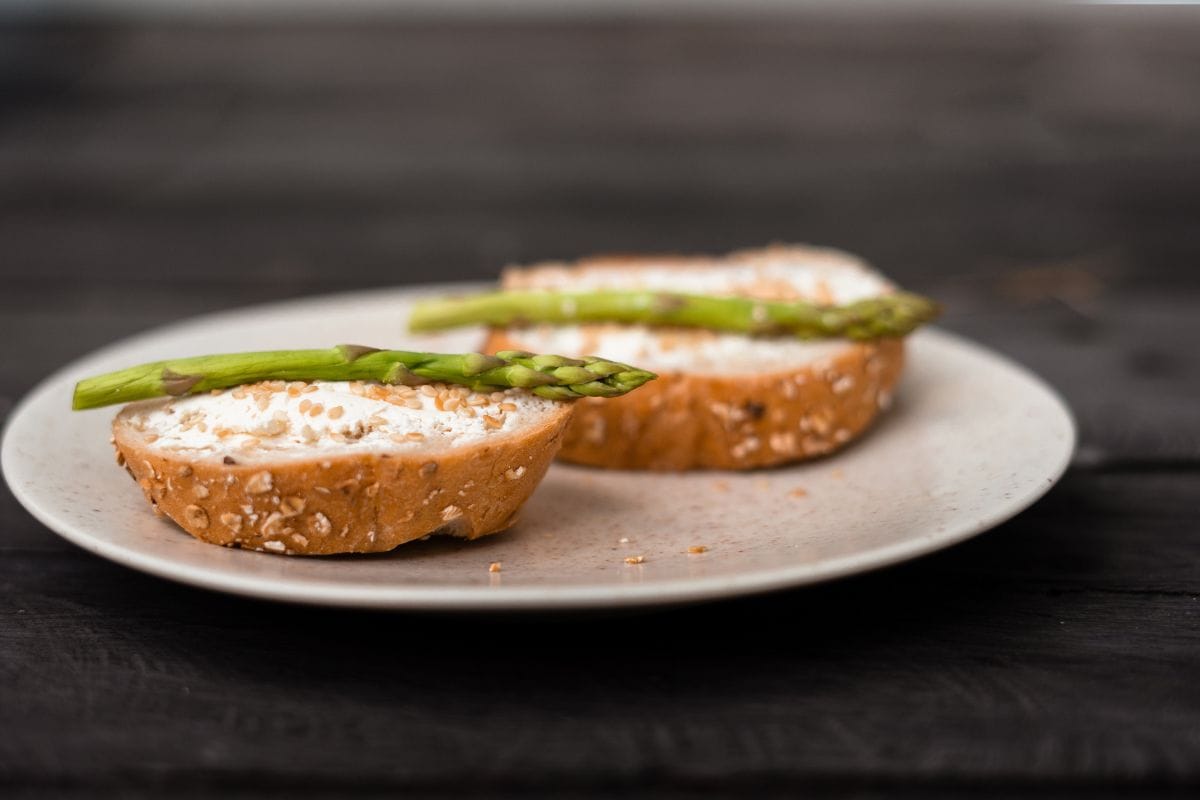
885, 315
556, 377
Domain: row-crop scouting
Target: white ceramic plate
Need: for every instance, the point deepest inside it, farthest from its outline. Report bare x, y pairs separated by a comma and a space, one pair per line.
971, 440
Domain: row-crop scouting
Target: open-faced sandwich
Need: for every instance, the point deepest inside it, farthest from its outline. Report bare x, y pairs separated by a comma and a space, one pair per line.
765, 357
346, 450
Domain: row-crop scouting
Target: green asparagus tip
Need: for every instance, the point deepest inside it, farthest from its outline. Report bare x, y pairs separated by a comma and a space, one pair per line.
549, 376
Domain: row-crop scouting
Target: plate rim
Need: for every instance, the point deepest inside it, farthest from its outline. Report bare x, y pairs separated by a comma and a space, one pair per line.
668, 591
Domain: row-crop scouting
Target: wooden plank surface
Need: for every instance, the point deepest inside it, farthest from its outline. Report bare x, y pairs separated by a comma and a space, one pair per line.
1043, 654
1039, 175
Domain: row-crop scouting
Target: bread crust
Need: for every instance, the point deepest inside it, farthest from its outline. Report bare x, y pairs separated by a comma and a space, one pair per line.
691, 420
686, 421
347, 503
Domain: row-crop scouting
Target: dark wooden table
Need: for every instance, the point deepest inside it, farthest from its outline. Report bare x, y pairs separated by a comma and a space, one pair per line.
1041, 175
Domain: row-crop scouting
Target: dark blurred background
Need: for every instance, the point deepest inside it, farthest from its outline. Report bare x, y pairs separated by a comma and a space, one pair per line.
1035, 167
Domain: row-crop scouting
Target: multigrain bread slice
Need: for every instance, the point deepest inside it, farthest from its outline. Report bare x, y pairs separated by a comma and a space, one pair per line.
334, 467
722, 401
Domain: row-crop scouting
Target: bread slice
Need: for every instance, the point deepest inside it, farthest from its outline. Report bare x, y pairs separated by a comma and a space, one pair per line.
322, 468
722, 401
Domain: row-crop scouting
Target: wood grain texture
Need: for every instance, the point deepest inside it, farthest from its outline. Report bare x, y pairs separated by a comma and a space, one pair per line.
1043, 652
1039, 175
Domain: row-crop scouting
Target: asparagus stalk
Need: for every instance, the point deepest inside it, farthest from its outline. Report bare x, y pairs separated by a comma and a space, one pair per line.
886, 315
555, 377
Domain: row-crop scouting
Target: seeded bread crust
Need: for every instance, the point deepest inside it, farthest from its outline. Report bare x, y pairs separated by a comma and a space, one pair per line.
689, 420
685, 421
353, 503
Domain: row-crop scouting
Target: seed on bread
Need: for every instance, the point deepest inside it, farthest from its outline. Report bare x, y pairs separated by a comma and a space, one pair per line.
196, 516
272, 524
292, 506
319, 524
259, 483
